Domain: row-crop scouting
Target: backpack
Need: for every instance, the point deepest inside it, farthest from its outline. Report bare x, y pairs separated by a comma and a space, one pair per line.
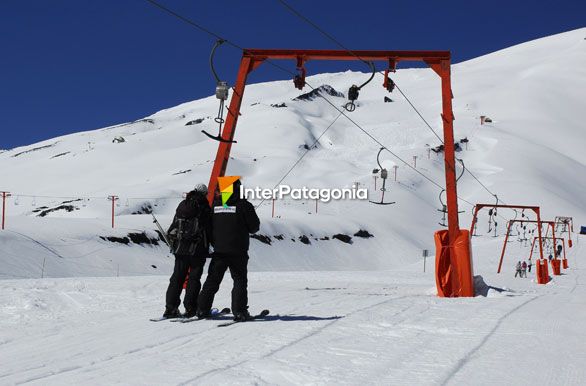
184, 235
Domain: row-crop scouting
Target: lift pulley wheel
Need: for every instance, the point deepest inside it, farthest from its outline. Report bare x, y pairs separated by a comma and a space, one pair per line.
222, 90
353, 92
384, 174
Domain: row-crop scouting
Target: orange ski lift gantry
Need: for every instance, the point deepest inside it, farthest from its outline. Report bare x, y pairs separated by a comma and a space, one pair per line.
535, 209
555, 264
565, 225
539, 223
453, 264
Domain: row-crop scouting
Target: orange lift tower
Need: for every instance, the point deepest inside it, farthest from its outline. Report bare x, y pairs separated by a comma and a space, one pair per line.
542, 271
453, 257
536, 209
555, 266
539, 232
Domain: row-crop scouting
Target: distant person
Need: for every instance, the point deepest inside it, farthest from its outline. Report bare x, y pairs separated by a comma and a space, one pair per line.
550, 257
529, 265
232, 225
188, 234
518, 268
524, 269
559, 251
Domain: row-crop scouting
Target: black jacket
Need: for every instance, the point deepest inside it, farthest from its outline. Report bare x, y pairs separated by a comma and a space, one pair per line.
196, 206
232, 226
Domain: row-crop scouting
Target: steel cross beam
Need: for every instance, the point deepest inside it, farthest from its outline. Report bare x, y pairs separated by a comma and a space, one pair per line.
439, 61
360, 55
539, 222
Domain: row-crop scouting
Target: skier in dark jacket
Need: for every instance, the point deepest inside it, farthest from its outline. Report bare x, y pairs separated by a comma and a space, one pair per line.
189, 234
232, 225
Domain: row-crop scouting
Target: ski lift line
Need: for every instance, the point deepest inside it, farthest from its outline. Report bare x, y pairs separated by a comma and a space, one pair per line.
336, 41
38, 243
303, 155
203, 29
189, 21
294, 11
173, 13
70, 260
291, 73
98, 197
298, 14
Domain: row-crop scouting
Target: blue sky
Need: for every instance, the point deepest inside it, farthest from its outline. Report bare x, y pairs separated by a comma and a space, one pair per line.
73, 65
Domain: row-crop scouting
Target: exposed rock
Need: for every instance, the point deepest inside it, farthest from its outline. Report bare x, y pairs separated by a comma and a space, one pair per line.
304, 239
182, 172
136, 238
315, 93
343, 238
34, 149
60, 154
364, 234
145, 208
262, 238
195, 122
44, 212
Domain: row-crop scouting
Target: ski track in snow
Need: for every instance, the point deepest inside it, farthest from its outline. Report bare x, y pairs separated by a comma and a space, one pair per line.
471, 354
289, 345
410, 337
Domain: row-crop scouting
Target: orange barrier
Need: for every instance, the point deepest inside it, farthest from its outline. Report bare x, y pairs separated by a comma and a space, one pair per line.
453, 265
565, 263
542, 271
556, 266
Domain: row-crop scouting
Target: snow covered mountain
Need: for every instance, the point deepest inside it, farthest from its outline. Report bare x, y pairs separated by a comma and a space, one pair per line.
531, 153
342, 313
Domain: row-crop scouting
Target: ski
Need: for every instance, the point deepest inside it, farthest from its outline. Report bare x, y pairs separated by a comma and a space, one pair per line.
183, 319
214, 314
160, 319
262, 315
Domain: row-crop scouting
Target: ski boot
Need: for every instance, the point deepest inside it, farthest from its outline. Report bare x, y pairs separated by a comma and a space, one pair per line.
242, 316
201, 314
171, 313
190, 313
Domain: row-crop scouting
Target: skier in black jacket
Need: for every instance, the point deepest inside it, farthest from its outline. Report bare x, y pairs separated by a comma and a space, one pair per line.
232, 225
189, 234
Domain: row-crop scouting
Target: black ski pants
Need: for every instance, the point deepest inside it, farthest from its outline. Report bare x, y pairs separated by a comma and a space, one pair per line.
185, 263
238, 265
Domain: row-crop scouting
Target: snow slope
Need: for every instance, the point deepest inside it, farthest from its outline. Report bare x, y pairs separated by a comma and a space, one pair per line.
328, 328
532, 153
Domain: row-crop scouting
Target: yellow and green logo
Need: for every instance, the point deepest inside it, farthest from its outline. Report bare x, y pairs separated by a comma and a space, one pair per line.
226, 184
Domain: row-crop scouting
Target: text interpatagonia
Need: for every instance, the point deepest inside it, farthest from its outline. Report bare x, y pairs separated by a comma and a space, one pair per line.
304, 193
